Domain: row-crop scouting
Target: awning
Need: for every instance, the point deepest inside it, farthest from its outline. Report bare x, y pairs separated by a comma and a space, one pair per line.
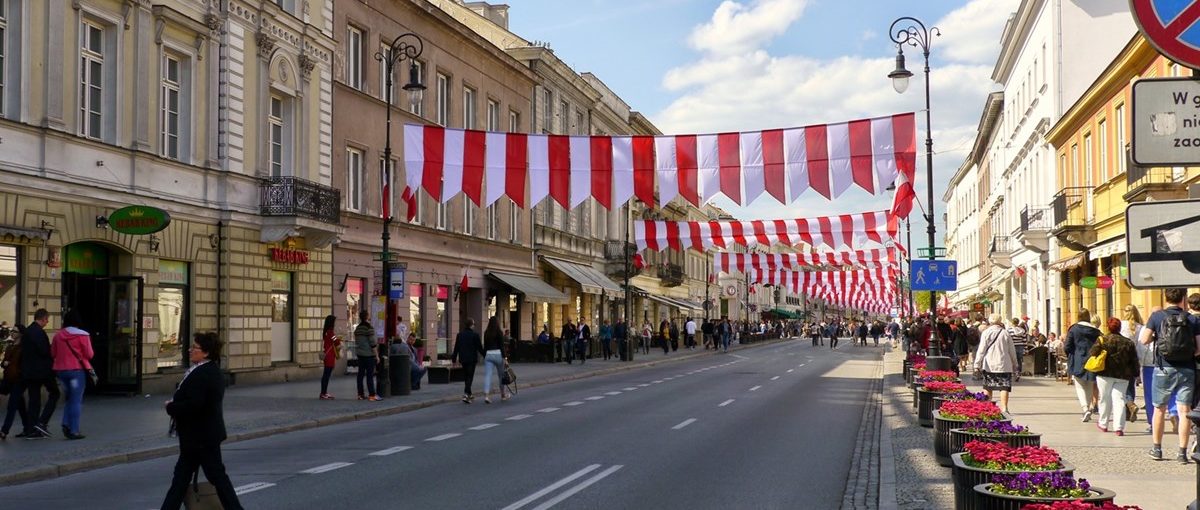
1107, 249
590, 280
532, 287
662, 300
1068, 263
783, 313
28, 234
685, 305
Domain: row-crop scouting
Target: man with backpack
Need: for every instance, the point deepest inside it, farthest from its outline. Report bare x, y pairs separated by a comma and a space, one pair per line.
1175, 335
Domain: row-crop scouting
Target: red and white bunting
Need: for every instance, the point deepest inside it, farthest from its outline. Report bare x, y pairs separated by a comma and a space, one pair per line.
782, 163
728, 262
846, 230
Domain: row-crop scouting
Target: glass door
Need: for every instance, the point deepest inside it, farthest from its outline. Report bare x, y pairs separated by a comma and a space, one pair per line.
110, 308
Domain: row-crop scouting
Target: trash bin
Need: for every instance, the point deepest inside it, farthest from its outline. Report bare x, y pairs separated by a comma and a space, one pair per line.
401, 374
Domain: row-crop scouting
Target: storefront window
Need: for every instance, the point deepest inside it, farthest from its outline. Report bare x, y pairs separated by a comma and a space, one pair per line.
173, 312
443, 318
491, 312
354, 290
9, 295
416, 294
281, 296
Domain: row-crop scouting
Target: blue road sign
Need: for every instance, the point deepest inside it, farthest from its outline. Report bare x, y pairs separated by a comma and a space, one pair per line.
398, 283
936, 275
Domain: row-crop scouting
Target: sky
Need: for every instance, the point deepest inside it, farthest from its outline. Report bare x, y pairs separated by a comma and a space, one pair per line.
705, 66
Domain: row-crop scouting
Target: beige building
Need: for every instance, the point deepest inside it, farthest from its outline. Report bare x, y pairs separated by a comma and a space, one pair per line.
216, 114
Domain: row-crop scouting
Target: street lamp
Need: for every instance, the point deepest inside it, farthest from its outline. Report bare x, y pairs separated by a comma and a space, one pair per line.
910, 31
406, 46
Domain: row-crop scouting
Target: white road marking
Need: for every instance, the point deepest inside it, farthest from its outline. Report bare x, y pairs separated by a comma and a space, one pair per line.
657, 382
790, 370
684, 423
326, 468
740, 357
485, 426
595, 397
631, 388
444, 437
611, 393
547, 410
533, 497
519, 417
389, 451
775, 378
573, 403
802, 364
755, 388
725, 403
251, 487
643, 385
573, 490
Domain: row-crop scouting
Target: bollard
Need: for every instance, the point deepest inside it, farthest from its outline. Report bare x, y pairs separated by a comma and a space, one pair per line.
938, 363
401, 374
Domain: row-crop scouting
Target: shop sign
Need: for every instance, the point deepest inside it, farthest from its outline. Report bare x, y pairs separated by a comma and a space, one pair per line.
289, 256
138, 220
978, 307
87, 258
1104, 282
1089, 282
172, 272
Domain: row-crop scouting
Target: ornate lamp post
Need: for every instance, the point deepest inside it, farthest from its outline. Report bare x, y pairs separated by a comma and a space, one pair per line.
910, 31
406, 46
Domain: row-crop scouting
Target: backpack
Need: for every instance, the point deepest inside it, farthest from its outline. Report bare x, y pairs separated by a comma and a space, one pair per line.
1174, 340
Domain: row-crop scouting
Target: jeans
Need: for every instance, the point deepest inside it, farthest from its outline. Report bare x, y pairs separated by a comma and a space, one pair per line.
1171, 382
325, 380
366, 369
493, 365
1083, 391
725, 341
15, 407
1020, 360
73, 383
606, 347
417, 372
1112, 401
1148, 395
34, 389
468, 378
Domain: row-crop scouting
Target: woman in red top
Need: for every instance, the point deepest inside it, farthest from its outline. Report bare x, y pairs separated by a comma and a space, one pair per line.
331, 343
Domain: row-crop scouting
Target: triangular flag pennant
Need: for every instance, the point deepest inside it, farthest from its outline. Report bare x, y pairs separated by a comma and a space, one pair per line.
638, 262
410, 199
464, 285
712, 278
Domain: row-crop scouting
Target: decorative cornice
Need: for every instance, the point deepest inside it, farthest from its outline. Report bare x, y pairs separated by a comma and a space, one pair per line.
265, 43
213, 22
306, 66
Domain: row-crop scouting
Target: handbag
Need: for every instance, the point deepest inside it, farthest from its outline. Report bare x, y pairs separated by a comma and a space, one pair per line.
508, 376
92, 378
201, 496
1096, 363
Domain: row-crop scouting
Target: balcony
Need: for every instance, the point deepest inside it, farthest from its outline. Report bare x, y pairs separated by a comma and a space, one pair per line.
1035, 229
616, 259
1001, 250
1072, 218
670, 274
294, 207
1158, 183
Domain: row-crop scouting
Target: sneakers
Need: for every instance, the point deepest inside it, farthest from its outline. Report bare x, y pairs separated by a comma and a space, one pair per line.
487, 400
466, 399
1181, 458
360, 397
326, 396
74, 436
1102, 427
1155, 452
1087, 416
374, 398
1119, 433
41, 429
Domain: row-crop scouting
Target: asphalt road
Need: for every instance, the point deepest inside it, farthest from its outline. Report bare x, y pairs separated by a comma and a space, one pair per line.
769, 427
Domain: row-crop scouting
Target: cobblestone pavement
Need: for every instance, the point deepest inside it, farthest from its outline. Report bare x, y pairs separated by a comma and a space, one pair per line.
863, 484
1048, 407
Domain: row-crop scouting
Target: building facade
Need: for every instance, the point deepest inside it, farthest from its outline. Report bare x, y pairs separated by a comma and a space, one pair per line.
216, 113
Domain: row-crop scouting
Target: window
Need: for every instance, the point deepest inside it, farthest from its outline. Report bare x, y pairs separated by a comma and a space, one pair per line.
1075, 160
443, 99
468, 216
173, 312
468, 108
493, 115
10, 281
514, 122
513, 226
384, 93
1087, 160
419, 107
354, 303
492, 222
419, 218
441, 216
171, 88
1103, 141
1120, 120
355, 180
91, 80
354, 57
580, 126
564, 118
547, 115
276, 123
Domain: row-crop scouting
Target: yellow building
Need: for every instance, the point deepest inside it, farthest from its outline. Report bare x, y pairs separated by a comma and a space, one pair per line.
1097, 181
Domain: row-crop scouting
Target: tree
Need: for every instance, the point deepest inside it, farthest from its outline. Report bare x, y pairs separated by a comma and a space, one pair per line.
921, 300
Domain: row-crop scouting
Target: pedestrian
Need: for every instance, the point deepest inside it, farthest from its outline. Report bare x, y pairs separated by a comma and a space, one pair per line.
10, 362
621, 336
647, 336
331, 345
72, 353
1080, 338
726, 334
1131, 328
1021, 341
833, 336
674, 332
37, 373
197, 419
876, 331
417, 364
862, 334
493, 359
1176, 337
996, 359
814, 331
958, 337
1120, 367
689, 329
545, 345
706, 330
566, 341
365, 350
468, 347
664, 336
583, 340
606, 336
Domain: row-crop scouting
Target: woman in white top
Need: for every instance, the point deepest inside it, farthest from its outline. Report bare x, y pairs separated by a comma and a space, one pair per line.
997, 359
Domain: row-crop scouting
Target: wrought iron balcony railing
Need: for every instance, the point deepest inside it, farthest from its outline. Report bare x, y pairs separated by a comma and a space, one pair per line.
293, 196
670, 274
1035, 218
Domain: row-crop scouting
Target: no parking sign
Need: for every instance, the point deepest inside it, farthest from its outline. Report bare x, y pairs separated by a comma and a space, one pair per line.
1172, 26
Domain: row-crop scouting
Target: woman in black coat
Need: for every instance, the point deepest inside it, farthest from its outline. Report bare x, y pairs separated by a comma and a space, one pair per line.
198, 421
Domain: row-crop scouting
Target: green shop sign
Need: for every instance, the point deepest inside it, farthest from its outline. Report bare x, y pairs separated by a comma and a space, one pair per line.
138, 220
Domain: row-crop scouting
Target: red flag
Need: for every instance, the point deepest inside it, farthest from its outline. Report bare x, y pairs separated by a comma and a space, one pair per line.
463, 286
410, 199
753, 291
638, 262
712, 278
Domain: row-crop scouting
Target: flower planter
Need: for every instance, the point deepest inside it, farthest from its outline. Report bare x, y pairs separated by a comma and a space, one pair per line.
925, 407
966, 477
941, 436
907, 370
959, 437
989, 500
916, 387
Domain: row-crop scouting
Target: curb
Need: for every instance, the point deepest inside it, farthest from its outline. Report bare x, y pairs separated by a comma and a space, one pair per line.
46, 472
887, 454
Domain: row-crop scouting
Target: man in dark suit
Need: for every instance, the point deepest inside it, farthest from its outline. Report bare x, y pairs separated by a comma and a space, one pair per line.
468, 347
37, 373
196, 413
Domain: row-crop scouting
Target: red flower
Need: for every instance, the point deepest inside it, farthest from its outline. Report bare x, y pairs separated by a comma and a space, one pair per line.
944, 387
1078, 505
936, 375
971, 410
1002, 457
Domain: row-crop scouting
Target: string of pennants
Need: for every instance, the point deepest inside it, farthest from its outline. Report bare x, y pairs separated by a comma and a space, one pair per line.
727, 262
871, 153
846, 230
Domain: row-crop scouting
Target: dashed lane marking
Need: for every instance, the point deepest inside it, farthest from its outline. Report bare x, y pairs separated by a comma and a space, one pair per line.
251, 487
519, 417
326, 468
725, 403
611, 393
547, 410
485, 426
444, 437
631, 388
573, 403
389, 451
595, 397
657, 382
533, 497
755, 388
790, 370
775, 378
643, 385
684, 423
573, 490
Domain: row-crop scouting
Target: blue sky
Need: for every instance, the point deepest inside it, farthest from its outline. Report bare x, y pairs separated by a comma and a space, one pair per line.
695, 66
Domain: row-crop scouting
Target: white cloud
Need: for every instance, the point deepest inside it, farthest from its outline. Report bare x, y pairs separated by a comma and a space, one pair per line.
747, 88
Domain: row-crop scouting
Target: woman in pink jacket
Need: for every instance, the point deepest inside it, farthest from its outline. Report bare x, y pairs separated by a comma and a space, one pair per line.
72, 353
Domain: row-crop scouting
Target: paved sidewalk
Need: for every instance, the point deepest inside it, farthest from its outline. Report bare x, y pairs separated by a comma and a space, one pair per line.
128, 429
1047, 407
